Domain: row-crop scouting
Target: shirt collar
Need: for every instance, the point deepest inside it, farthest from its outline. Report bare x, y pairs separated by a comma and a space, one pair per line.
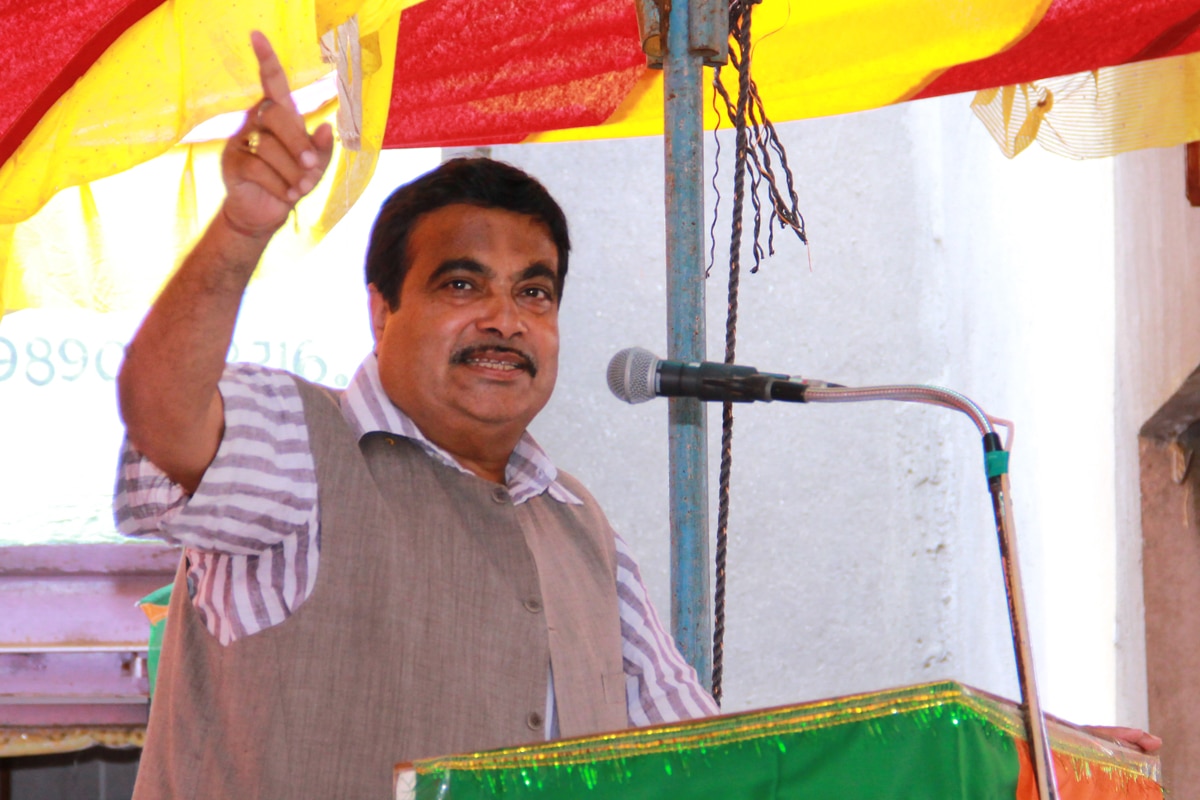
367, 408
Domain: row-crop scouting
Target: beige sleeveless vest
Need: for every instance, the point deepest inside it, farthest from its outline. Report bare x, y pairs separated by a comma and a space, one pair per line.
437, 609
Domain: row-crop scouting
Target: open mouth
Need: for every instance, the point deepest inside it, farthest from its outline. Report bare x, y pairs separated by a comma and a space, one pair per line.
495, 357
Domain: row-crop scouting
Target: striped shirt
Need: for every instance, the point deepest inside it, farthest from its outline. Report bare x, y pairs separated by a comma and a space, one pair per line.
252, 535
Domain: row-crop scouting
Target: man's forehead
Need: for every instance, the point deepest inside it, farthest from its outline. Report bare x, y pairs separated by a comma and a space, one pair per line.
462, 231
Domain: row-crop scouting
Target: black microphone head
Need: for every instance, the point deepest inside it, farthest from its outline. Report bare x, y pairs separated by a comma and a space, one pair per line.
631, 375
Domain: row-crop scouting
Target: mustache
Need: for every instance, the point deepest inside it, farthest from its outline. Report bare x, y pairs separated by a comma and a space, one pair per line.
467, 354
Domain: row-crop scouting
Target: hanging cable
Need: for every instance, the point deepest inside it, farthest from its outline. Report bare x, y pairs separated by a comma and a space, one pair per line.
740, 27
756, 143
762, 142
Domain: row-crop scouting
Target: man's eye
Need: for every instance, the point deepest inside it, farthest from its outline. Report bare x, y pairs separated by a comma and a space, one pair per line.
458, 284
538, 292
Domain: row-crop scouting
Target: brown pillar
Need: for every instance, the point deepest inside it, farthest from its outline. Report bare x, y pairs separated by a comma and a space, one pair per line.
1170, 481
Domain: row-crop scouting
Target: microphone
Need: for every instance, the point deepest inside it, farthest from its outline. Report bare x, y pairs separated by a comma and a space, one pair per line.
636, 375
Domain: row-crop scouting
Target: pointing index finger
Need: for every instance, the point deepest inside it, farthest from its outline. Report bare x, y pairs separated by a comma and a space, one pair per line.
270, 71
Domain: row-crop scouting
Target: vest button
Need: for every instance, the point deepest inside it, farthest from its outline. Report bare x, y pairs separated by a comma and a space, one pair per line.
390, 441
533, 605
534, 720
500, 494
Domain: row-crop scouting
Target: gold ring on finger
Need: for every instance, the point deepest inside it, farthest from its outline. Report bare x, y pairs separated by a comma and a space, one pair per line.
252, 141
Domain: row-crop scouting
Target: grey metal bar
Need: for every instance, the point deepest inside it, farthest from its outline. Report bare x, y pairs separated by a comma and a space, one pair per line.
691, 617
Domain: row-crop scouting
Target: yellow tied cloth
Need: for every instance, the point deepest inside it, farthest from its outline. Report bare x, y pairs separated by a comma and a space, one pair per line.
1099, 113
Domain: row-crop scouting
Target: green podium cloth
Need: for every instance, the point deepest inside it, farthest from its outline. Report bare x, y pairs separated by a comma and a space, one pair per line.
941, 741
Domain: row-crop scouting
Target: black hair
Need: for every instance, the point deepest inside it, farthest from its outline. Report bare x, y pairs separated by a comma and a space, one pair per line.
472, 181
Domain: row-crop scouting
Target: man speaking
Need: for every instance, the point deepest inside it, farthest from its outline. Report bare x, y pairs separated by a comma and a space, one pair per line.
397, 570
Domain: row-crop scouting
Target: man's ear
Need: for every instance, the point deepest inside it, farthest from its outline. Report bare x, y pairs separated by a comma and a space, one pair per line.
379, 311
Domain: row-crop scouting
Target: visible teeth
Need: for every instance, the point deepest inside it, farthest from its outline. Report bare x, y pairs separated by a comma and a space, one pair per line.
487, 362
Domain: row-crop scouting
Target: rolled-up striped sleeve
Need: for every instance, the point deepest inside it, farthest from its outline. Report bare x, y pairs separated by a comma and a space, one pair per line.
259, 490
144, 497
251, 528
659, 685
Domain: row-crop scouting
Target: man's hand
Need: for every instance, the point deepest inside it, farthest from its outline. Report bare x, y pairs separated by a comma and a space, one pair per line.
168, 383
272, 161
1131, 737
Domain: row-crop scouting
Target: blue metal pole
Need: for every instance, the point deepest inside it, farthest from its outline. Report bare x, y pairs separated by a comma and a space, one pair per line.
691, 617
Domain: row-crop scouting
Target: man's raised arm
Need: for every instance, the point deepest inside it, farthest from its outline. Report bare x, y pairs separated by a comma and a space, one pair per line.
167, 386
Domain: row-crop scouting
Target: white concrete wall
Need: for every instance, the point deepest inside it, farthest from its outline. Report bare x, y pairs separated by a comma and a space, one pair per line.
862, 551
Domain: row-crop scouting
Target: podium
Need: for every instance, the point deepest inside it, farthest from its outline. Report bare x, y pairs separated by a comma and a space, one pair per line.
935, 741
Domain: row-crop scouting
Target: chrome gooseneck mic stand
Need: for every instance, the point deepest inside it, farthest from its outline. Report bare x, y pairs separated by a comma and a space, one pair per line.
996, 464
636, 375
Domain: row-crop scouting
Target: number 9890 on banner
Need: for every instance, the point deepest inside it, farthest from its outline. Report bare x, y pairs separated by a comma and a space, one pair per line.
41, 361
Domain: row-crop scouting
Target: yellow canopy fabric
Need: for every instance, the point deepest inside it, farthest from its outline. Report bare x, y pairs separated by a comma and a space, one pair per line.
819, 59
99, 200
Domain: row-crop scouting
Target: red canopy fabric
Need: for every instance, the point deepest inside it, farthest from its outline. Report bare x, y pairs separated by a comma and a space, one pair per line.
45, 47
1080, 35
475, 72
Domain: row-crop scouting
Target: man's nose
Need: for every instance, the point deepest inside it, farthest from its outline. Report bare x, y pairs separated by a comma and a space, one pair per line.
502, 314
